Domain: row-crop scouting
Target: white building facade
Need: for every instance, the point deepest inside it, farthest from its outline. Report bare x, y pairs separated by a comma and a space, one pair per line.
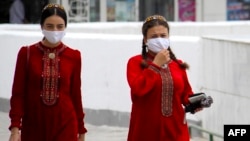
138, 10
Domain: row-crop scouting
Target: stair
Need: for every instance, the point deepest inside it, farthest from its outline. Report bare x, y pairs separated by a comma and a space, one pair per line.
198, 139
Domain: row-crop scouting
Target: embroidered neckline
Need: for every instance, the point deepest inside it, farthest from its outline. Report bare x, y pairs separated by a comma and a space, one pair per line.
50, 84
167, 89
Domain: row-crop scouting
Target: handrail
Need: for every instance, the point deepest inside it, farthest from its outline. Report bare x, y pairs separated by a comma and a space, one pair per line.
211, 134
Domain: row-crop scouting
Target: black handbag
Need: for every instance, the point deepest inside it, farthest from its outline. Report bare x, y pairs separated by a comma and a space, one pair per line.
198, 100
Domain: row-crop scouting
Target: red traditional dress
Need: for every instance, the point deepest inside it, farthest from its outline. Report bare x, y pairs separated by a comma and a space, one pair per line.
46, 102
158, 95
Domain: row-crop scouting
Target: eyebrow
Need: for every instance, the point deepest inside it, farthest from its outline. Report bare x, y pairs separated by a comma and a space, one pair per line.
159, 33
53, 24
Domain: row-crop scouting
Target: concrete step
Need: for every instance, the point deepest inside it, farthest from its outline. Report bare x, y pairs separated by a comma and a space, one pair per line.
198, 139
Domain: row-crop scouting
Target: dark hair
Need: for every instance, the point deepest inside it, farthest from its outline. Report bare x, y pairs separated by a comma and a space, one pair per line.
53, 9
150, 22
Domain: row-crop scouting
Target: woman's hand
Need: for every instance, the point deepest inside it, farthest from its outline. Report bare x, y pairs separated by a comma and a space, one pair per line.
81, 137
15, 134
197, 110
162, 57
15, 137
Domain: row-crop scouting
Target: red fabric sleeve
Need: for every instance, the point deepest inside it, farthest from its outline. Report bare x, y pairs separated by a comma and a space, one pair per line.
76, 93
187, 89
140, 80
18, 89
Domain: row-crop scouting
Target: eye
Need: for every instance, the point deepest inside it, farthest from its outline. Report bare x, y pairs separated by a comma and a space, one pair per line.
49, 26
154, 36
163, 36
60, 27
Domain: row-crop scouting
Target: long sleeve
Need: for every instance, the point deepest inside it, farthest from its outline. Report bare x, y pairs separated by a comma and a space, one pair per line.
187, 87
76, 93
18, 89
141, 81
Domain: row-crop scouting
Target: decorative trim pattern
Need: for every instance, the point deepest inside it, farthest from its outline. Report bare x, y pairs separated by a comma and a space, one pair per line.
50, 75
167, 90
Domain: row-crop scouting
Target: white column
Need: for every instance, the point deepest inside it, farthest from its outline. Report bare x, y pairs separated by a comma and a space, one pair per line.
65, 4
176, 10
136, 10
199, 10
103, 10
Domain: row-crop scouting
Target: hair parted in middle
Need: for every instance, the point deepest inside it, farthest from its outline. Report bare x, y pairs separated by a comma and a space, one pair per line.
53, 9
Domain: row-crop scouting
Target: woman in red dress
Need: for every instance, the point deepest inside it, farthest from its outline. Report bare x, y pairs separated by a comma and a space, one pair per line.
46, 101
159, 87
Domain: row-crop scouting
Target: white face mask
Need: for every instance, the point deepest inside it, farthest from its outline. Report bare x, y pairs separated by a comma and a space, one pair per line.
157, 44
53, 36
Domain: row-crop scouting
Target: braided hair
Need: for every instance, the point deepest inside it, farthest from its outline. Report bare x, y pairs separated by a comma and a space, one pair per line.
150, 22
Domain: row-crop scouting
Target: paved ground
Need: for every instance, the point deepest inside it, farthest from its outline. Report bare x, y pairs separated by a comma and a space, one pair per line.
95, 133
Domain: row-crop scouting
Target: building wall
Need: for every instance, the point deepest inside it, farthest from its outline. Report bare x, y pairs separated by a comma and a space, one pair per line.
206, 10
214, 10
226, 77
138, 10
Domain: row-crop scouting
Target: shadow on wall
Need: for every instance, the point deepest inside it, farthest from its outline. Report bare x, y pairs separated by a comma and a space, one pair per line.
107, 117
4, 105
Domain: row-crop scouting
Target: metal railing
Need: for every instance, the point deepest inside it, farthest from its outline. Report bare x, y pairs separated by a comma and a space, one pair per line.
211, 134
